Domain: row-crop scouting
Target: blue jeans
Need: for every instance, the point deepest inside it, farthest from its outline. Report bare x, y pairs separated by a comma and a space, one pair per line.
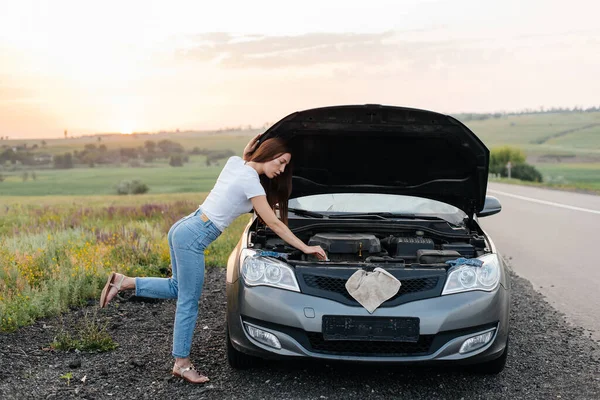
187, 238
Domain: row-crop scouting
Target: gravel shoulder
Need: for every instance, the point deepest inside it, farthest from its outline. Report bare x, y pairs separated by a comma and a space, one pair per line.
547, 358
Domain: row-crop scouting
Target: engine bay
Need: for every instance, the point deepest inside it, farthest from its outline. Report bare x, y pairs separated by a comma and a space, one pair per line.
409, 246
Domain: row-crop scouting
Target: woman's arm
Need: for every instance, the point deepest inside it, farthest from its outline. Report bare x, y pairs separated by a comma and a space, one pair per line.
266, 213
250, 147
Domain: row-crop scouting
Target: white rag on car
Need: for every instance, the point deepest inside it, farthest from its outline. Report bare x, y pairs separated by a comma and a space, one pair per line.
371, 289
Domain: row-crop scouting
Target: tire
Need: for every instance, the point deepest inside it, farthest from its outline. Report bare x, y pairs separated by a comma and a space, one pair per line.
493, 367
237, 359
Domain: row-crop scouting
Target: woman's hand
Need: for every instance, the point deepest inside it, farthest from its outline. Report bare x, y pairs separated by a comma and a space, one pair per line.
318, 251
250, 147
264, 210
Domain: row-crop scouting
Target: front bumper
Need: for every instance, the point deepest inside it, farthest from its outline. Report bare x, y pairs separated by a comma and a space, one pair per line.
295, 318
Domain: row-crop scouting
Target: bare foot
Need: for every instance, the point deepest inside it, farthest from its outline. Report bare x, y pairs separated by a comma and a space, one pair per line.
187, 371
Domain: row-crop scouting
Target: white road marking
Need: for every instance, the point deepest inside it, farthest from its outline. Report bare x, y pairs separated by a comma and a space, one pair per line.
548, 203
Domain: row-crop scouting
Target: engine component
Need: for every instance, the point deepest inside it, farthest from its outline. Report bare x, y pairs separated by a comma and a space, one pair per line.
407, 247
436, 256
465, 249
358, 244
478, 241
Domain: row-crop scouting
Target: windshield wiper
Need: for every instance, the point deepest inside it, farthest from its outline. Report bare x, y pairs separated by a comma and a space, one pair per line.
306, 213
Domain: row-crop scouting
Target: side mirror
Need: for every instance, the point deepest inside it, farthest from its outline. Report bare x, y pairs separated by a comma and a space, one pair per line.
492, 206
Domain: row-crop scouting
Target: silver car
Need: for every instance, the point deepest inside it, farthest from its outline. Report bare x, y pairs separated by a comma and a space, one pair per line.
377, 187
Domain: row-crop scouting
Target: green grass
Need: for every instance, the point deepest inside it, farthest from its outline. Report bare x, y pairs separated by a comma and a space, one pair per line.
578, 175
90, 334
192, 177
566, 176
56, 252
525, 130
585, 139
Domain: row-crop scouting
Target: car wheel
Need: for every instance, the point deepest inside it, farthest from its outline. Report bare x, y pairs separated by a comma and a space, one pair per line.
495, 366
237, 359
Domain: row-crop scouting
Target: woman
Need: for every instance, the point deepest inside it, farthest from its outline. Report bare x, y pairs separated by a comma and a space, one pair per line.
260, 180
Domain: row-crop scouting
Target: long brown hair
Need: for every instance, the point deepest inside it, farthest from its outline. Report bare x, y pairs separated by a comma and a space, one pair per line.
278, 189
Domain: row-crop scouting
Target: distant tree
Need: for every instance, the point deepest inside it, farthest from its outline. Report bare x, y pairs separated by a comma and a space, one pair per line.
128, 153
90, 147
102, 148
68, 160
519, 168
63, 161
43, 143
99, 138
502, 155
169, 146
150, 146
25, 176
58, 161
132, 187
176, 161
65, 133
33, 175
213, 156
8, 155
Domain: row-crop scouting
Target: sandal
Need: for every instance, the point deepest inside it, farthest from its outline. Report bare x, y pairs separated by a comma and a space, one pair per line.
180, 373
108, 286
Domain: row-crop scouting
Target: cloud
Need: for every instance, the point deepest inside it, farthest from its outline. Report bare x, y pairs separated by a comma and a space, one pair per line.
367, 51
281, 51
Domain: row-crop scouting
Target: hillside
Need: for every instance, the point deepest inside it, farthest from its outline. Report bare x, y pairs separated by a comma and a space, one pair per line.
550, 134
564, 146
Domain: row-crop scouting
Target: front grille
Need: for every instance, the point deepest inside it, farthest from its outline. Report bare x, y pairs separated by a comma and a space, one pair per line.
369, 348
338, 285
330, 282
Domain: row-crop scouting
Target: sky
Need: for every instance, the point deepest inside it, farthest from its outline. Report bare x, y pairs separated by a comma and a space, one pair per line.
143, 66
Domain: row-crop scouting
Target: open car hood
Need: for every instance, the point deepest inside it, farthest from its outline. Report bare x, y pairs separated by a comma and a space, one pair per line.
385, 149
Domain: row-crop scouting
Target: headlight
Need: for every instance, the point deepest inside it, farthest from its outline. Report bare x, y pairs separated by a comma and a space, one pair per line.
464, 278
267, 271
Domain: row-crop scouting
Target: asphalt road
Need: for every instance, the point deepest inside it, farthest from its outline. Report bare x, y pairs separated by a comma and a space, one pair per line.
552, 239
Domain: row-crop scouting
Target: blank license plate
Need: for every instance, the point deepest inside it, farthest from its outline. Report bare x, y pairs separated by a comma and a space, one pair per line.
397, 329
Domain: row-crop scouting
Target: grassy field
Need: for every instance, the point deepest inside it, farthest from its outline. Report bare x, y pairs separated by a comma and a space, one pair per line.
574, 137
539, 134
194, 176
578, 175
56, 251
209, 140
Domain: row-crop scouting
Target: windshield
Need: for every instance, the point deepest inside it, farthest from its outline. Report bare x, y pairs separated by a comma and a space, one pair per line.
378, 203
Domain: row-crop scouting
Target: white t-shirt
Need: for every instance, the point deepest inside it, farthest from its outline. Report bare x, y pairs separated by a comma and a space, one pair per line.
230, 197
